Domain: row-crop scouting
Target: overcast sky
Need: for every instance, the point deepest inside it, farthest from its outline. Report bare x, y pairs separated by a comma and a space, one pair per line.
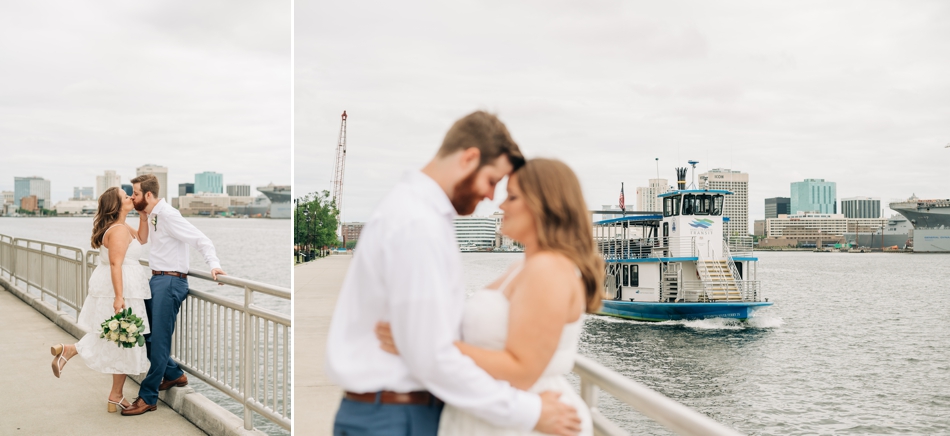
852, 92
90, 86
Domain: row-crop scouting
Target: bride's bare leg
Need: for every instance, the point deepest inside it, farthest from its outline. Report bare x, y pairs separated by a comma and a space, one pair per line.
118, 382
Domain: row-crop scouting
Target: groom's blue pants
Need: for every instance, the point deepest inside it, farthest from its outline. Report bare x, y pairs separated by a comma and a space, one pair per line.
162, 310
374, 419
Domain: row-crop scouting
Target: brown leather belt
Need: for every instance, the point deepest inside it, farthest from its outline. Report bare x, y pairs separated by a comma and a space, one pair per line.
418, 398
170, 273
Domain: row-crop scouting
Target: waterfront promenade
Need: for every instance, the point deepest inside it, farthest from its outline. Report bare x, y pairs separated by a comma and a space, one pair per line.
316, 287
35, 402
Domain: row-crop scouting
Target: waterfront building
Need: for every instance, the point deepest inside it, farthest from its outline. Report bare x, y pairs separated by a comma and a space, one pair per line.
758, 228
76, 207
351, 231
239, 190
85, 193
475, 233
777, 206
30, 203
108, 180
807, 223
7, 197
647, 195
8, 209
735, 206
185, 189
35, 186
160, 173
814, 195
203, 204
209, 182
128, 189
861, 207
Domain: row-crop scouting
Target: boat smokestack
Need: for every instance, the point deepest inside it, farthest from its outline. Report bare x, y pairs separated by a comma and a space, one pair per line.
681, 178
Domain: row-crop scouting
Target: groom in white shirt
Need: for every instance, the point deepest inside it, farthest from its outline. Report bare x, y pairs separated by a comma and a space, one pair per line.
168, 258
408, 271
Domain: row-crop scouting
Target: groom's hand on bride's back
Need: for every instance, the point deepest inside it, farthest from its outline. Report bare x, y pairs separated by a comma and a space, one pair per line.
556, 417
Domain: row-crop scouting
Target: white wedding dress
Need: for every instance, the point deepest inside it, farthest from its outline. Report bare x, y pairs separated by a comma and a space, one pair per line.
99, 354
485, 325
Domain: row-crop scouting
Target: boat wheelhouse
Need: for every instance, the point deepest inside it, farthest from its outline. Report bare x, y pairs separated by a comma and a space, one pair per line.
678, 265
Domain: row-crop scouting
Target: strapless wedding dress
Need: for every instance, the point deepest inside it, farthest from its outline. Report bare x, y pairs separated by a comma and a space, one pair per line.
485, 325
99, 354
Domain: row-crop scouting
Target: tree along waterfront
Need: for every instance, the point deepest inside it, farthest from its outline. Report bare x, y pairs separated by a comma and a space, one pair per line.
316, 219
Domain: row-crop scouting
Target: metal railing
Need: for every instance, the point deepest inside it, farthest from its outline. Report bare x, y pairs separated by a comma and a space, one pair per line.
741, 246
235, 346
673, 415
617, 248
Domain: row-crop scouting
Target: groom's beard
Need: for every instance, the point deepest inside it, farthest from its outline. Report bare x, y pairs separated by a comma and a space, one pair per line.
140, 206
464, 197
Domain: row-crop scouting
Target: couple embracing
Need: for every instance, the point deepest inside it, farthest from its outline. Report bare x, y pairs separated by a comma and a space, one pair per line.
413, 355
119, 282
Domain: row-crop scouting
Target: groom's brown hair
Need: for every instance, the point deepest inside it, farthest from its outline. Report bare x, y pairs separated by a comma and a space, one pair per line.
148, 182
485, 132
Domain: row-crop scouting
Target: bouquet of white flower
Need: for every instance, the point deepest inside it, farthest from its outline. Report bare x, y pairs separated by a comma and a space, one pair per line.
125, 329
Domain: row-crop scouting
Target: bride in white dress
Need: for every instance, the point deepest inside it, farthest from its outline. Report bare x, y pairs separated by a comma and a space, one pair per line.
119, 281
524, 328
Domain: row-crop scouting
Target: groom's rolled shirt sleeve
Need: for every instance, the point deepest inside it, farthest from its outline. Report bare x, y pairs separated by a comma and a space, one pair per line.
179, 228
422, 289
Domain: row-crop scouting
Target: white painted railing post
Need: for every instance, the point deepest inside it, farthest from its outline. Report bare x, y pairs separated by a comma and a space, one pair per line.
246, 353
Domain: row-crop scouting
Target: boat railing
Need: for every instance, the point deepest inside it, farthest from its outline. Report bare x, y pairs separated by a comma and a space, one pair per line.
217, 338
619, 248
731, 261
750, 290
671, 414
741, 246
693, 291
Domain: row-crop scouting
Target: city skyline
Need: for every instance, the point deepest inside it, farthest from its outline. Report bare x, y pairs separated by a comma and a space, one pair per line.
859, 98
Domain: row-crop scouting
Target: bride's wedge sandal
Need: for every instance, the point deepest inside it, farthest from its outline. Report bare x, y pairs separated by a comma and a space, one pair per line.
59, 361
115, 406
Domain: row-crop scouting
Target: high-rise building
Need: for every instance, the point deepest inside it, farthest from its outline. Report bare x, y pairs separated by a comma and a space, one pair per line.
647, 195
814, 195
239, 190
735, 206
777, 206
108, 180
7, 197
351, 231
84, 193
185, 189
209, 182
475, 233
38, 186
30, 203
160, 173
861, 207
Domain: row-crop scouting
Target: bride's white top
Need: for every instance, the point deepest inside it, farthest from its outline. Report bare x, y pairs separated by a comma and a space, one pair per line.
134, 275
170, 236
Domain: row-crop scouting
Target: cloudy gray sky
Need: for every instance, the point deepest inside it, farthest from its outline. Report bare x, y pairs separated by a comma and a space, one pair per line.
852, 92
90, 86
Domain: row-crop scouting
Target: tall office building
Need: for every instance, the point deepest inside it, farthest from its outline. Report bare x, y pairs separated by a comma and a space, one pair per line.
814, 195
108, 180
239, 190
777, 206
209, 182
160, 172
475, 233
26, 186
861, 207
735, 206
185, 189
646, 195
83, 193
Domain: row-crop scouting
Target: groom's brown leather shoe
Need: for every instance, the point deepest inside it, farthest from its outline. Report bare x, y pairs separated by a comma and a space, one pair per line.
138, 407
180, 381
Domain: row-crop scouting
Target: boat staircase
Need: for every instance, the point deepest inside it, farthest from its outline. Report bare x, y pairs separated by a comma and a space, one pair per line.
670, 275
719, 281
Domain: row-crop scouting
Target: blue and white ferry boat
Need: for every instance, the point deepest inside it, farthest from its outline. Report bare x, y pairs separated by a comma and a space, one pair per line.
677, 265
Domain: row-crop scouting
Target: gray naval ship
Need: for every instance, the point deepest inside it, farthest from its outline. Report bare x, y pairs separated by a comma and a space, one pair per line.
279, 196
897, 232
931, 221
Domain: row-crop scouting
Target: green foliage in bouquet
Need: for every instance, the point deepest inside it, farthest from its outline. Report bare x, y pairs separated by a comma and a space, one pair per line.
125, 329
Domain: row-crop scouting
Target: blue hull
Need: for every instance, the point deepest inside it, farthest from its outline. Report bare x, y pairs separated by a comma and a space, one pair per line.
646, 311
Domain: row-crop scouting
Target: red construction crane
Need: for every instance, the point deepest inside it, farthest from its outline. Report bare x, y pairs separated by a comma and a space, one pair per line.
338, 167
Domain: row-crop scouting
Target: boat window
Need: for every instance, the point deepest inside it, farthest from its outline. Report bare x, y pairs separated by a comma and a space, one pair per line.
668, 206
703, 204
635, 275
717, 205
676, 205
689, 204
626, 275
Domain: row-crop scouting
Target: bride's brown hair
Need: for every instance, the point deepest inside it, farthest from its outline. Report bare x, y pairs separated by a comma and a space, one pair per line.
110, 206
553, 195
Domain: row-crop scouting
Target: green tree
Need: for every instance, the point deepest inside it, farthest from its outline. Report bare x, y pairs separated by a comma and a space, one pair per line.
350, 245
315, 222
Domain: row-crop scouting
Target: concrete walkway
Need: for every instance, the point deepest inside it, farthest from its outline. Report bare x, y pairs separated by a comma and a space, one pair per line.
316, 286
34, 402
